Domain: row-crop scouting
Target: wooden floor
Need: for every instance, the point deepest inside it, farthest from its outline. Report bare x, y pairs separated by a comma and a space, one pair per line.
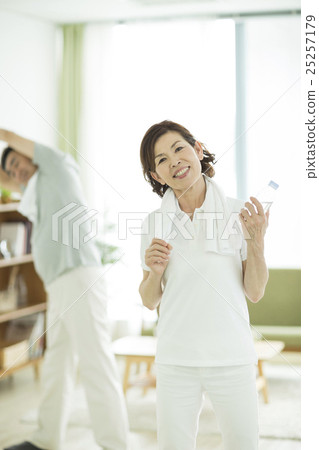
21, 393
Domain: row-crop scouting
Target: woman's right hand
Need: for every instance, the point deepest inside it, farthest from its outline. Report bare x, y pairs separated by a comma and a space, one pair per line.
157, 256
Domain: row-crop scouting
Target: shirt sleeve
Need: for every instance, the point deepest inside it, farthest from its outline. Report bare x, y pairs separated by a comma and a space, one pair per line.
47, 158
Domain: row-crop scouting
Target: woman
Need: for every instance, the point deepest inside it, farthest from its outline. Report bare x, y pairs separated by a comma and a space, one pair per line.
197, 268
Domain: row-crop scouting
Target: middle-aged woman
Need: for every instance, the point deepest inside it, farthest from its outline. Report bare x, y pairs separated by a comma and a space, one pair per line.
197, 268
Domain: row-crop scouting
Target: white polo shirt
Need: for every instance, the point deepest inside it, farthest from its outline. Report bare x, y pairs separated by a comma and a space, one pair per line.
204, 318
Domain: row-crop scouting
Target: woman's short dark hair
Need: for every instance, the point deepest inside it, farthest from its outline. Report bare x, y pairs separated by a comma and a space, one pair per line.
4, 157
147, 154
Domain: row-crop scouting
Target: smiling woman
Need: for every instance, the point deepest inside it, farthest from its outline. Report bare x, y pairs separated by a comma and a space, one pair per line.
199, 284
176, 145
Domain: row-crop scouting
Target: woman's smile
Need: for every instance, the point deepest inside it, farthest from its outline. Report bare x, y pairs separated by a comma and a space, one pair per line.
182, 173
176, 161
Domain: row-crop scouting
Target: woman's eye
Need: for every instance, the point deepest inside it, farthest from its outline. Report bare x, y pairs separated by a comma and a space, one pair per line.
161, 160
178, 149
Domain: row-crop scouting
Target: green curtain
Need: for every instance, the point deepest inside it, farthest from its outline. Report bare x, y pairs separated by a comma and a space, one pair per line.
70, 87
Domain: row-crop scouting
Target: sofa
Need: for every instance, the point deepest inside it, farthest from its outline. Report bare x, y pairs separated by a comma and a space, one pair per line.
277, 316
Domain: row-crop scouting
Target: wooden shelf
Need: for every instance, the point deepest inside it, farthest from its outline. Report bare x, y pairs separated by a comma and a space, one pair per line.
35, 292
35, 362
8, 207
16, 260
22, 312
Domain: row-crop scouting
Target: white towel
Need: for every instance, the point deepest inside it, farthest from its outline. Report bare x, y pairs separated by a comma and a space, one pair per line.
219, 210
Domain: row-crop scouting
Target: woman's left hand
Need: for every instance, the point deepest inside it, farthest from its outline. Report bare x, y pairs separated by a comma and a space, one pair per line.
254, 222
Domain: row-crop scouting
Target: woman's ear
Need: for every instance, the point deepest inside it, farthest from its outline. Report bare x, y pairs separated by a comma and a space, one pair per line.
199, 150
157, 178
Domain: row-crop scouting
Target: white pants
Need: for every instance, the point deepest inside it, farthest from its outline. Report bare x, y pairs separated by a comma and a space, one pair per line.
79, 338
232, 392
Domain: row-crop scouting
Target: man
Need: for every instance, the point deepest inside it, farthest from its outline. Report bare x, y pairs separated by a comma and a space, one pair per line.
77, 334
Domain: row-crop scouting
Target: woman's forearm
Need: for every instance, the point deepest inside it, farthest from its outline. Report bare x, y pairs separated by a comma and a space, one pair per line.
256, 272
254, 222
151, 290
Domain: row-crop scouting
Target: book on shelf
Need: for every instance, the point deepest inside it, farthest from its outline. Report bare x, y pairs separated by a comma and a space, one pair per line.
30, 329
15, 295
36, 339
15, 239
14, 355
28, 226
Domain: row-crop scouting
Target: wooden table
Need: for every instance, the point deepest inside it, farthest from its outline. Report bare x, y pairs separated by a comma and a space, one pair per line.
265, 351
142, 349
136, 350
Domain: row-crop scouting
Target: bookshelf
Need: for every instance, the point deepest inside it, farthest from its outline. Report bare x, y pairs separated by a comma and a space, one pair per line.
16, 260
22, 312
8, 207
14, 345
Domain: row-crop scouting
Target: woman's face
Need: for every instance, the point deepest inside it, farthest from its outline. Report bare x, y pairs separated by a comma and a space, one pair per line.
177, 163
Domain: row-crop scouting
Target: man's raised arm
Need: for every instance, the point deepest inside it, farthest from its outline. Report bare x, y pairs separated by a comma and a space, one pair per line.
18, 143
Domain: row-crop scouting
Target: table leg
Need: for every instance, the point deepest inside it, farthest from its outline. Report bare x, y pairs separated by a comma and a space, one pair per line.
148, 374
126, 374
263, 384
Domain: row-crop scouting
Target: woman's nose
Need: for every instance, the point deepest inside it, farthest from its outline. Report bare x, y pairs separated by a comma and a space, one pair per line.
175, 162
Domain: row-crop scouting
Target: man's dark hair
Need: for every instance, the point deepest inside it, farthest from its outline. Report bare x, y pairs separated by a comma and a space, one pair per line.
4, 157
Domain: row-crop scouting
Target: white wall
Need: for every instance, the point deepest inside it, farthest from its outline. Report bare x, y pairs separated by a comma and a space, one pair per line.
28, 82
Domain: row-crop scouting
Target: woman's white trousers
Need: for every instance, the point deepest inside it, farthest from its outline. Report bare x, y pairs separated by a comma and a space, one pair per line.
232, 392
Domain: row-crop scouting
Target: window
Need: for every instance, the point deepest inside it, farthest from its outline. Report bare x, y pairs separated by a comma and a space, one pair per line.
138, 74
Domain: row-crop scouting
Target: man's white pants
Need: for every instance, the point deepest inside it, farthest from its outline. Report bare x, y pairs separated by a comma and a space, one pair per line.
232, 392
77, 336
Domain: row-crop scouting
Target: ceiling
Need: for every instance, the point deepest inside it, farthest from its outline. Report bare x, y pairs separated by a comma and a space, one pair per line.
71, 11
